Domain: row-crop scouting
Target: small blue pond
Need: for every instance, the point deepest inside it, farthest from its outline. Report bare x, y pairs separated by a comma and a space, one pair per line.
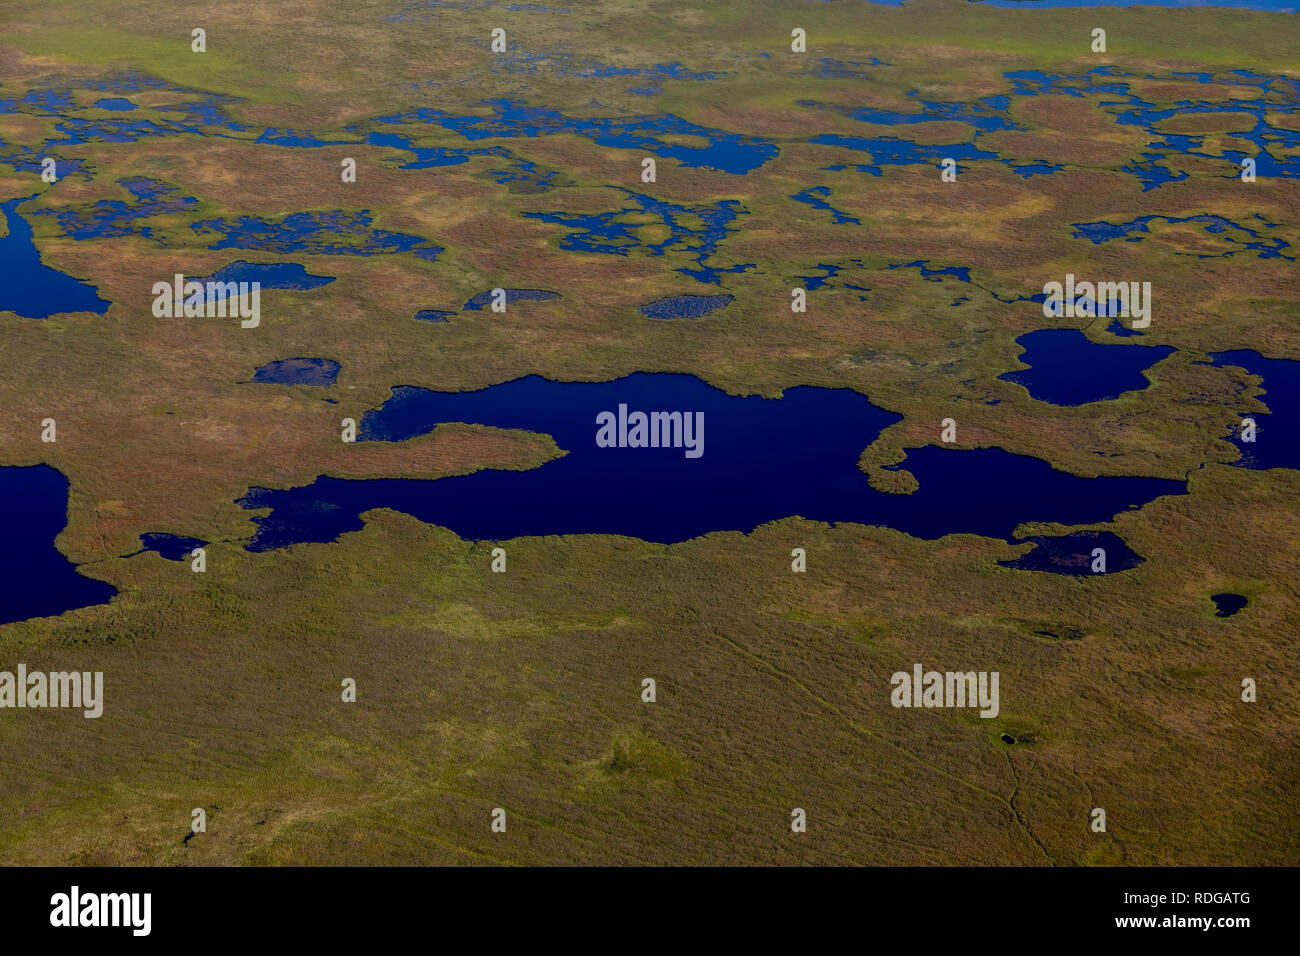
1066, 368
1227, 603
171, 546
276, 275
1073, 554
684, 306
484, 299
299, 371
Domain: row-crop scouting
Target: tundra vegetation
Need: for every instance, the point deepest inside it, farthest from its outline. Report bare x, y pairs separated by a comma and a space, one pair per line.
523, 690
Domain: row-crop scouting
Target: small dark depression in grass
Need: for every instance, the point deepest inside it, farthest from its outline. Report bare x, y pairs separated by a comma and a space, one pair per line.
1076, 554
299, 371
1066, 368
758, 460
1008, 739
39, 581
684, 306
173, 547
1227, 603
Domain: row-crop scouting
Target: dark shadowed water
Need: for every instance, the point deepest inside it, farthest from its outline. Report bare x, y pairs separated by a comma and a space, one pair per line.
1227, 603
1074, 555
1277, 433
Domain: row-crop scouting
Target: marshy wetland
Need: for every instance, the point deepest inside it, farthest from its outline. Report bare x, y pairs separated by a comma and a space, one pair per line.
497, 275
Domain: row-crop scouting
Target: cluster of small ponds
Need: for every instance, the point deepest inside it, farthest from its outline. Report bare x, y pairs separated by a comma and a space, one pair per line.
745, 478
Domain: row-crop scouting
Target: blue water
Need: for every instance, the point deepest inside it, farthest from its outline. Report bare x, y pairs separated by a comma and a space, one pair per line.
116, 104
987, 115
1066, 368
816, 282
38, 580
196, 113
1155, 167
523, 176
1277, 434
1235, 236
684, 306
763, 459
428, 157
1152, 168
726, 152
960, 273
433, 315
299, 371
275, 275
110, 217
30, 288
1227, 603
619, 232
336, 233
891, 151
483, 300
1072, 554
294, 139
170, 546
816, 197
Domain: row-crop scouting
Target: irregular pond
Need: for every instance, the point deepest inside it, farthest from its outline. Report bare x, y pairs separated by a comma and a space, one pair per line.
173, 547
1227, 603
30, 288
1073, 554
288, 276
1066, 368
299, 371
694, 231
1234, 236
761, 460
1277, 434
483, 299
39, 581
336, 233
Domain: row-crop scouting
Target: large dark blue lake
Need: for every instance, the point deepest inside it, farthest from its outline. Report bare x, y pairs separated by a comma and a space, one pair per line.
30, 288
39, 581
1277, 434
762, 459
